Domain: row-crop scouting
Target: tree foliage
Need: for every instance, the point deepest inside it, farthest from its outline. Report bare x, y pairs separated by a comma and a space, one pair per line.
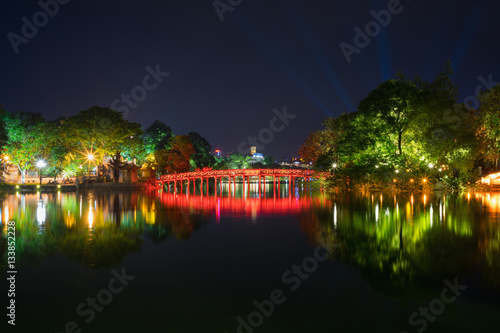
158, 136
390, 107
97, 137
104, 134
201, 158
407, 130
26, 136
489, 124
177, 159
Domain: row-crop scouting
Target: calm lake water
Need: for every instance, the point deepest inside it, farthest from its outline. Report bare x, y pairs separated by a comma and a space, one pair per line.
160, 262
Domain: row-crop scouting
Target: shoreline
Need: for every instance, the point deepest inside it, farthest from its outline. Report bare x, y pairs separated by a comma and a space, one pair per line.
44, 188
34, 188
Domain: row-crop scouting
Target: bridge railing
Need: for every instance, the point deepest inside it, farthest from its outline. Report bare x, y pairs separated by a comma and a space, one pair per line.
241, 173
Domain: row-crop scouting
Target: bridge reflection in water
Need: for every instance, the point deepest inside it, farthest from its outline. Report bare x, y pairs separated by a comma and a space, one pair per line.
242, 204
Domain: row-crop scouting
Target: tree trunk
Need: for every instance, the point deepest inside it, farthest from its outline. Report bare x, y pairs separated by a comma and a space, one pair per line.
116, 175
116, 167
399, 142
23, 176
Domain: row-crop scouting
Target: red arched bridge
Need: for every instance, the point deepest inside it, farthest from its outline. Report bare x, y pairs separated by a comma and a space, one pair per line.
246, 175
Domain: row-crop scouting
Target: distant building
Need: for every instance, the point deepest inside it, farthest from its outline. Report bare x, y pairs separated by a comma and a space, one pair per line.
295, 162
257, 157
217, 152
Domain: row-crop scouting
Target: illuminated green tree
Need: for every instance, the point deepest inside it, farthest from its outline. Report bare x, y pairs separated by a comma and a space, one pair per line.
238, 161
104, 134
57, 154
488, 131
391, 107
158, 136
201, 158
402, 125
26, 137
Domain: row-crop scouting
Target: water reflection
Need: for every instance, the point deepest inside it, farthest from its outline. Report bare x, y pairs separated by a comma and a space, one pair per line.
6, 214
40, 212
398, 242
416, 245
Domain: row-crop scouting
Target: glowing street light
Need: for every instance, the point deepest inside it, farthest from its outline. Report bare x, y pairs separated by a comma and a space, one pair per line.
90, 158
431, 165
334, 165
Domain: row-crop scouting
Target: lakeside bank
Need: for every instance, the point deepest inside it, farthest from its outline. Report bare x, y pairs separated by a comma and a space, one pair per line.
45, 188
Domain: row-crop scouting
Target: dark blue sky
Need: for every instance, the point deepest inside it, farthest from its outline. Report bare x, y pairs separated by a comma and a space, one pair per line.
226, 77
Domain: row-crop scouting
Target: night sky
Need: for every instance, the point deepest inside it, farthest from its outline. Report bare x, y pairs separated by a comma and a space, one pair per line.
226, 77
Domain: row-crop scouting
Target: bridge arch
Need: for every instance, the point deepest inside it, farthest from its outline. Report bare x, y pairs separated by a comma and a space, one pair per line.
232, 174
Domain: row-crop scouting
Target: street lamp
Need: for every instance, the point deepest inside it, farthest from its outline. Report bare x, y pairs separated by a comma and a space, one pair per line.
40, 164
90, 158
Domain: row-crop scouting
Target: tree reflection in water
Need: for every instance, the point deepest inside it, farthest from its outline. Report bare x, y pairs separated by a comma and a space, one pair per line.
400, 243
406, 243
94, 228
